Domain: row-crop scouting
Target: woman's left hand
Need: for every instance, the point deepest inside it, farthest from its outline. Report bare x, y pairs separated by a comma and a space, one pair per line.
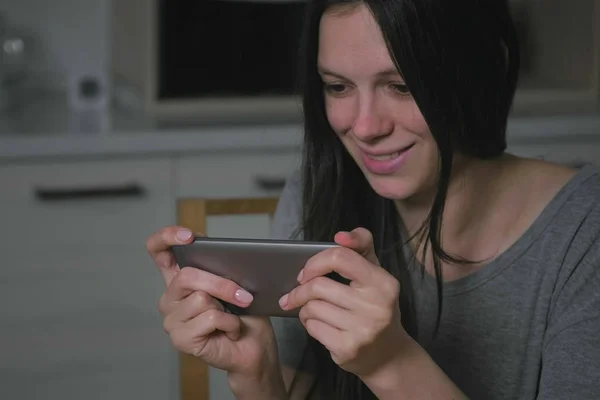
358, 323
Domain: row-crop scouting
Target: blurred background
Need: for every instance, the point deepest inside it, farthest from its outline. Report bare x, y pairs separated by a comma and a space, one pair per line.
113, 110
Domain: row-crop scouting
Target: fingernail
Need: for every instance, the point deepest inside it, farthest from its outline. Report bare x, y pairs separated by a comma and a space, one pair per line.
349, 234
183, 235
283, 300
299, 278
243, 297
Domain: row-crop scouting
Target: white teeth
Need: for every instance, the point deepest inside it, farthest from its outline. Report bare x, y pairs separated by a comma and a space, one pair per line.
384, 156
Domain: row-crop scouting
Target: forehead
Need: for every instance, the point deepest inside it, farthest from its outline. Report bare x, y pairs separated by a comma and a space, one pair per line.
350, 41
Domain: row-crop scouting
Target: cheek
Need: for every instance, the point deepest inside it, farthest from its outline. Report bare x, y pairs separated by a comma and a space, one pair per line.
413, 121
339, 115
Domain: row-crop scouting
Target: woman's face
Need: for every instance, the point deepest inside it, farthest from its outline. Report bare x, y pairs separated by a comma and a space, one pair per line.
369, 106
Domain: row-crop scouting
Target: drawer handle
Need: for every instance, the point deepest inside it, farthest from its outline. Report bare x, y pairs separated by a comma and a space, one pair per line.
99, 192
577, 164
266, 183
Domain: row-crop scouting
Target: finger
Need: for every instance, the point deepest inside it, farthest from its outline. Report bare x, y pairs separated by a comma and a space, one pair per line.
159, 246
192, 306
163, 239
190, 280
177, 313
217, 320
167, 266
344, 261
190, 334
320, 288
359, 240
324, 333
327, 313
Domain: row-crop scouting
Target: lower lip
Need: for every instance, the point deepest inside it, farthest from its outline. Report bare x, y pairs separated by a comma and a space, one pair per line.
385, 167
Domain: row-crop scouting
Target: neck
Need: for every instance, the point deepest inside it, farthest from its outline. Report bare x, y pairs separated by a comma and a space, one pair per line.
473, 199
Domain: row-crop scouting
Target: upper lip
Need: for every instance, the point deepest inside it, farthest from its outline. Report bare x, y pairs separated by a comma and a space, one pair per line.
384, 153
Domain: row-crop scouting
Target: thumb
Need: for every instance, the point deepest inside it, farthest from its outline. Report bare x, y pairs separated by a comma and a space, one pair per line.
361, 241
167, 266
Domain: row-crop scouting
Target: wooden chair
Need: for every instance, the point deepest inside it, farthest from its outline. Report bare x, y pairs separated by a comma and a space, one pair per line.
193, 214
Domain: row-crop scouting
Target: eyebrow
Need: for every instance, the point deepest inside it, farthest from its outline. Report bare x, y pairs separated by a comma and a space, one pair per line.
385, 72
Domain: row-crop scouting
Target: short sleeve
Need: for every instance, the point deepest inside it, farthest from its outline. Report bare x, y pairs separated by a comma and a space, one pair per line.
290, 333
571, 353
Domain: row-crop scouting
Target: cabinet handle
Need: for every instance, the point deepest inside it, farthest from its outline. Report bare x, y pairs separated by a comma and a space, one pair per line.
577, 164
98, 192
266, 183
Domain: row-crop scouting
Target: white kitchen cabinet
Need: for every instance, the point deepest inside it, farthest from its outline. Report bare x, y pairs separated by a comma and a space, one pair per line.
233, 173
78, 292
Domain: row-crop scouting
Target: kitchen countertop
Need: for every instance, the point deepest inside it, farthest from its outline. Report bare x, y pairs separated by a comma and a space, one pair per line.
48, 130
145, 141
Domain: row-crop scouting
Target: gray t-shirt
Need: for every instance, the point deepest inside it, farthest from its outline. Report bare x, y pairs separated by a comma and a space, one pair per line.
525, 326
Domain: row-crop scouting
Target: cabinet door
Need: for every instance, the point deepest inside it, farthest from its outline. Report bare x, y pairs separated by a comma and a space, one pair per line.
78, 292
233, 175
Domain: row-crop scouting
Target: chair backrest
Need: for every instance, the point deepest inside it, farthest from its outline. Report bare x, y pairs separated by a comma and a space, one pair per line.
193, 213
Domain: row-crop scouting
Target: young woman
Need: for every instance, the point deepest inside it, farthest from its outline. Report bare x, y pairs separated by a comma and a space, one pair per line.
462, 272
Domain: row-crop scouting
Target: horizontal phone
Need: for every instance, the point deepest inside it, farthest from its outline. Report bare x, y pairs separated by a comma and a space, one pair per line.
267, 269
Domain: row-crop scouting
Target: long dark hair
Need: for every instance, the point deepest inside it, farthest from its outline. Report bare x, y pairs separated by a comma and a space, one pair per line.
460, 61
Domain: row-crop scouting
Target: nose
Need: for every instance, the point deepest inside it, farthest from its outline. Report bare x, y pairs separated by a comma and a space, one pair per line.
371, 121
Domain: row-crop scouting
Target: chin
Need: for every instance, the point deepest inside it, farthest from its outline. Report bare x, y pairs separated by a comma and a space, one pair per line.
393, 187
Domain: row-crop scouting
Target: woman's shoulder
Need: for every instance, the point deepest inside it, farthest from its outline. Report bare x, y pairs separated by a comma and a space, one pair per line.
561, 248
544, 179
568, 227
577, 188
551, 187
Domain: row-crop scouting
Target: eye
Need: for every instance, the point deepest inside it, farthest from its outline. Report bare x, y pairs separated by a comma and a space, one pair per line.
335, 88
400, 88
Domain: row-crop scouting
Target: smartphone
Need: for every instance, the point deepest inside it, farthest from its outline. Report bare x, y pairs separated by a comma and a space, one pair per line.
267, 269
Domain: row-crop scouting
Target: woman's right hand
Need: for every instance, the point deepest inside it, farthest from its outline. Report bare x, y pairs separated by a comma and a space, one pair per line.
196, 321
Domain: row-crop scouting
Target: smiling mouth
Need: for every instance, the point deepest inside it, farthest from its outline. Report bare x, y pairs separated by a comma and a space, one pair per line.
390, 156
384, 156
